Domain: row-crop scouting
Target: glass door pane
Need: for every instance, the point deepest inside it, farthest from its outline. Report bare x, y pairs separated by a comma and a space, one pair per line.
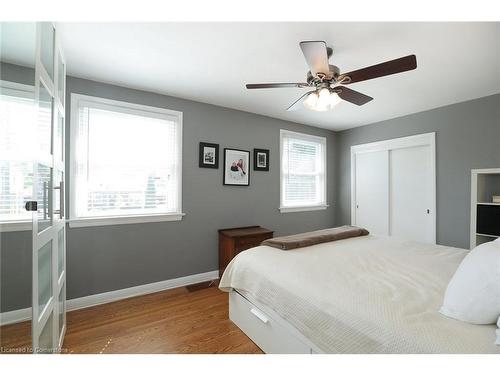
61, 78
44, 120
59, 138
44, 197
44, 277
47, 48
46, 341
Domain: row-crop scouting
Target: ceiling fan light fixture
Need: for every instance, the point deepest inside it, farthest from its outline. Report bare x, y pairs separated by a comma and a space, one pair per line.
329, 84
311, 100
322, 100
335, 99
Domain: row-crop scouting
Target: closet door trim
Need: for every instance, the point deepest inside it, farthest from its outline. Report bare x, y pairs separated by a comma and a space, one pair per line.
426, 139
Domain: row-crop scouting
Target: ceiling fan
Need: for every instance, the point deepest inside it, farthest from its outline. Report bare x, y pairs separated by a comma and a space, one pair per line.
327, 81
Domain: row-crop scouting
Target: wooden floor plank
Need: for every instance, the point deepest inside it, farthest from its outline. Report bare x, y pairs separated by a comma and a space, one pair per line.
181, 320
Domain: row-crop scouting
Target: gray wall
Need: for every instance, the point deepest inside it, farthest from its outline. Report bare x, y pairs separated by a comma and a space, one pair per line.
101, 259
15, 270
17, 73
467, 137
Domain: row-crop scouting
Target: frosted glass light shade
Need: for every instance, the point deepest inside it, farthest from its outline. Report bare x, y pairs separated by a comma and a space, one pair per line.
322, 100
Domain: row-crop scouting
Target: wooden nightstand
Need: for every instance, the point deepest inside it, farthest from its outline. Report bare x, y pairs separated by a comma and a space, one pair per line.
232, 241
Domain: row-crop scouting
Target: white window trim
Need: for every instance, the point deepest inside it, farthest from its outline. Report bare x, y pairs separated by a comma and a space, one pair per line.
27, 92
323, 206
17, 89
130, 108
285, 210
117, 220
15, 226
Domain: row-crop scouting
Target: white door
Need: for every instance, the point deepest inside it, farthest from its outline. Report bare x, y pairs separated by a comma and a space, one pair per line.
371, 193
49, 276
393, 187
411, 187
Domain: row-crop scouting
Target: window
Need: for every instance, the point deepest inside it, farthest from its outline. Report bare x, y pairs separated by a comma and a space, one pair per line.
303, 172
126, 162
17, 119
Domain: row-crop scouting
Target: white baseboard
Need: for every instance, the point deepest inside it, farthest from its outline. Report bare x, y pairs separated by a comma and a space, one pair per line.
21, 315
15, 316
115, 295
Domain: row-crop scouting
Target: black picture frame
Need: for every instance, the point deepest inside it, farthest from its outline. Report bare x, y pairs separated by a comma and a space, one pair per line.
204, 161
240, 177
258, 153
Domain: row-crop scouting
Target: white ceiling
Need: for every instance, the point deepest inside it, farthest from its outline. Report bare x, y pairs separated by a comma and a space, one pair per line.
211, 62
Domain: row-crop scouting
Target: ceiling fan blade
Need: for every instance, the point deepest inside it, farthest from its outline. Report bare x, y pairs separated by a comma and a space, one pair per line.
316, 56
296, 104
352, 96
275, 85
400, 65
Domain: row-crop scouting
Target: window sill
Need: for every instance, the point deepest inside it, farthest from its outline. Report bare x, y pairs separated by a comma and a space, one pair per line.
119, 220
303, 208
15, 226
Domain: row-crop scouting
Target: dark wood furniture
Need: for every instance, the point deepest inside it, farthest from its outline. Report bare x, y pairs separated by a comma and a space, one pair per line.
232, 241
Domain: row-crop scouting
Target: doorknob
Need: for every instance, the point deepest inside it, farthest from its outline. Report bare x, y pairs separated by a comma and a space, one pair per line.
428, 211
31, 206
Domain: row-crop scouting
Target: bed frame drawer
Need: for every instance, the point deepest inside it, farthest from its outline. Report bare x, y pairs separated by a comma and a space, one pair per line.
263, 330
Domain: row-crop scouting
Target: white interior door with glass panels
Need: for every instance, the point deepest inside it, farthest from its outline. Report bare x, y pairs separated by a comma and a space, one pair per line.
49, 237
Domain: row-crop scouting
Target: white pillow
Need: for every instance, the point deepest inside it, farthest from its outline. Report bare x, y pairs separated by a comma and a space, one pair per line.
473, 294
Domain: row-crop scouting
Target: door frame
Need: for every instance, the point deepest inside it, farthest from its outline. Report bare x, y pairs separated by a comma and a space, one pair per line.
425, 139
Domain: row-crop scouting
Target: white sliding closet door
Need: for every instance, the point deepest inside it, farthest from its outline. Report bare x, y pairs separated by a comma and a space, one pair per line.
411, 195
393, 187
372, 191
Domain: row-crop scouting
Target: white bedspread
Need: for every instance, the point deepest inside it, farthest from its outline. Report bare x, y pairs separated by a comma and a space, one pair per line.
362, 295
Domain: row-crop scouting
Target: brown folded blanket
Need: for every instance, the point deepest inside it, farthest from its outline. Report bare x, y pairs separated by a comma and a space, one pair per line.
313, 238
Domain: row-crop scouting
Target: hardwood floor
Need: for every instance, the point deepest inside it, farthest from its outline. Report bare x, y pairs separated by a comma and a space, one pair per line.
15, 338
182, 320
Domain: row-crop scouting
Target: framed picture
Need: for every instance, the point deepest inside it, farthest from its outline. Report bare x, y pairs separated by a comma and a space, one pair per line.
209, 155
236, 167
260, 159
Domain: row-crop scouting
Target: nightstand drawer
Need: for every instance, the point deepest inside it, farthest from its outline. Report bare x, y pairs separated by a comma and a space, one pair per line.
238, 249
244, 243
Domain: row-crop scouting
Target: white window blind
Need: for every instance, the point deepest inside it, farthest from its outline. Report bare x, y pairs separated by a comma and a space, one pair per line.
303, 170
17, 121
127, 161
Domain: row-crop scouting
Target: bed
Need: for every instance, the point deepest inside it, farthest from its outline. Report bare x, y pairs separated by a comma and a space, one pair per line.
367, 294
